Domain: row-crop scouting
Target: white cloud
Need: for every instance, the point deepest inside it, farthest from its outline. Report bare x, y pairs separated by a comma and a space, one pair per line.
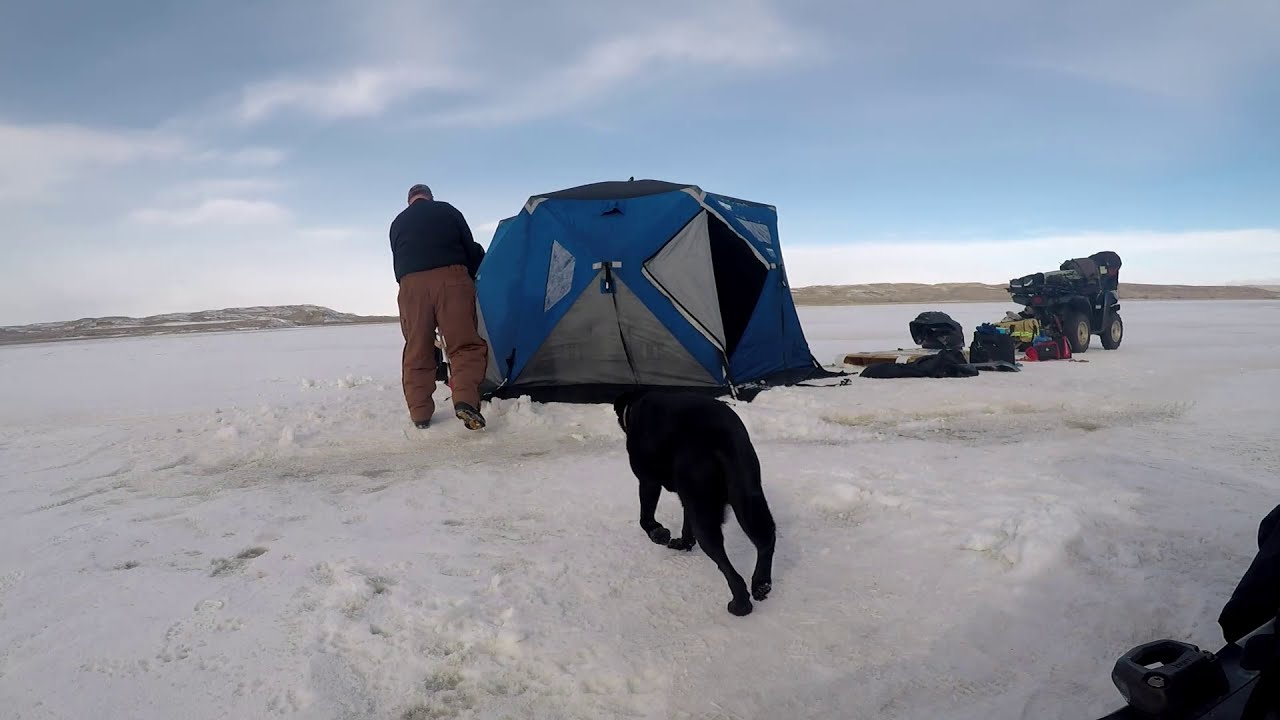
752, 37
255, 157
245, 158
329, 234
1184, 51
222, 187
240, 271
483, 232
380, 54
1193, 258
359, 92
215, 211
39, 160
513, 80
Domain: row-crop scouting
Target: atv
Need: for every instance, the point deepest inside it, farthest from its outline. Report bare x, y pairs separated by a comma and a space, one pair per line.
1078, 300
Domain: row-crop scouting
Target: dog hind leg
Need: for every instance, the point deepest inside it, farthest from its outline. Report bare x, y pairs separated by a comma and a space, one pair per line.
707, 529
757, 522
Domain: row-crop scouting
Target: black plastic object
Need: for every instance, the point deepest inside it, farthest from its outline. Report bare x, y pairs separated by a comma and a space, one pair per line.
936, 331
1166, 677
1238, 682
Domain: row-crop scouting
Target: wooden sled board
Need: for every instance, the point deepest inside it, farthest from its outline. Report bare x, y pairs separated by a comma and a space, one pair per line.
864, 359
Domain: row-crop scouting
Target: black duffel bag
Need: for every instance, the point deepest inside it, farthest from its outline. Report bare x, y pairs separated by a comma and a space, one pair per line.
991, 345
936, 331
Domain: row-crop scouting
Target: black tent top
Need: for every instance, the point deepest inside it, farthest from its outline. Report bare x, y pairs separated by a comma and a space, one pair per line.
626, 189
616, 190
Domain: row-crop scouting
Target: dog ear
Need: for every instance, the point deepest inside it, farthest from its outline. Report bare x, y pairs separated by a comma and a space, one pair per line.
623, 401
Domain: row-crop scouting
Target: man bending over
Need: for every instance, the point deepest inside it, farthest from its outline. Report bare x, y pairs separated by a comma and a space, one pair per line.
436, 261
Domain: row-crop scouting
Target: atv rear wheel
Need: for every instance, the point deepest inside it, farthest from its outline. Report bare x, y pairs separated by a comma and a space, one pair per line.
1112, 332
1076, 328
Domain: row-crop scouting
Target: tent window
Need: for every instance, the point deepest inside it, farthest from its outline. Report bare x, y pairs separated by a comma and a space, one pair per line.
761, 232
559, 276
739, 280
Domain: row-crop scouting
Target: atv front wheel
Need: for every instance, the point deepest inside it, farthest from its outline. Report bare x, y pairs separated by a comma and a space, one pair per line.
1078, 332
1113, 332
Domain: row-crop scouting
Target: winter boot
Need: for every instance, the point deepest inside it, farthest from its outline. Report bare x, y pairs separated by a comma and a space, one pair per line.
470, 416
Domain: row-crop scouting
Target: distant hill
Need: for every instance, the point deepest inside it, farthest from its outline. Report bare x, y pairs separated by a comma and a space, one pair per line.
292, 316
246, 318
892, 293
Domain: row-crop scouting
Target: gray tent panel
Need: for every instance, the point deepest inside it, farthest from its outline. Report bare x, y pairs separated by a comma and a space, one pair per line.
587, 346
584, 347
683, 271
659, 358
493, 373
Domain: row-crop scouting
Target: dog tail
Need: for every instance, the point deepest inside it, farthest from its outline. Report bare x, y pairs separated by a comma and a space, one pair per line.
746, 496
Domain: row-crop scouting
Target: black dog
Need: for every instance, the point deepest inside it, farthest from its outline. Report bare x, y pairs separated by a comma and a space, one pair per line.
698, 448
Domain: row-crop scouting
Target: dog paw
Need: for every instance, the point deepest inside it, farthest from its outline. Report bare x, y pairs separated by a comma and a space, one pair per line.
682, 544
660, 535
760, 591
740, 608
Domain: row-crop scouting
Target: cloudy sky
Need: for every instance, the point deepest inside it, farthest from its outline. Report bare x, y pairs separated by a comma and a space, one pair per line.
165, 156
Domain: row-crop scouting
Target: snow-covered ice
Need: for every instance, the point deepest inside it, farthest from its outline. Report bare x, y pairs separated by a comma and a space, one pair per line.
245, 525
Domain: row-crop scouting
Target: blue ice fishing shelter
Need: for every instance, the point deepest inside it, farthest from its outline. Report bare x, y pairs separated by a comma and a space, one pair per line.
599, 288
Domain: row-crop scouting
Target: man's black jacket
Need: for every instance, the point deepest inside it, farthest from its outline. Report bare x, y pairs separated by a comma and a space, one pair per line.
432, 234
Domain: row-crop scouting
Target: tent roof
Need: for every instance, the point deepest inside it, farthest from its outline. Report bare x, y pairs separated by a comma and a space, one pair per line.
625, 189
615, 190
